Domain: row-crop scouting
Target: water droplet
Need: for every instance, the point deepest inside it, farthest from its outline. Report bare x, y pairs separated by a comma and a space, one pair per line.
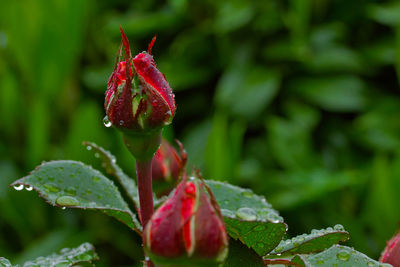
67, 201
228, 213
18, 187
63, 208
89, 148
107, 122
371, 263
65, 250
97, 155
320, 262
70, 191
29, 188
247, 214
96, 179
51, 188
273, 217
343, 255
121, 122
338, 227
88, 191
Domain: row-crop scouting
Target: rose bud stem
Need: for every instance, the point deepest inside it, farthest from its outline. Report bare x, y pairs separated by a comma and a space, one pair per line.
143, 148
143, 172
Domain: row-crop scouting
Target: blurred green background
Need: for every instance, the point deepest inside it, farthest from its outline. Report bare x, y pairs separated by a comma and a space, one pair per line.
298, 100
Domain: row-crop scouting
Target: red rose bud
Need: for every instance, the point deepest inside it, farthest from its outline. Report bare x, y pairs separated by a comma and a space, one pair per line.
188, 229
138, 108
391, 254
167, 166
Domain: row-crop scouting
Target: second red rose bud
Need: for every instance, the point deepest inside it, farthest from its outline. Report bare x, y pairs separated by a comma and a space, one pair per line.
167, 166
391, 254
188, 229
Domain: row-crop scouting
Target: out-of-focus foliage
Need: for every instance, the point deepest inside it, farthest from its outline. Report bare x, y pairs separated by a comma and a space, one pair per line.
296, 99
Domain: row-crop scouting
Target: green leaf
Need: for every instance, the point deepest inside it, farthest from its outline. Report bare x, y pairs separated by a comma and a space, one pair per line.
247, 91
67, 183
249, 217
223, 147
299, 259
343, 93
342, 256
377, 133
295, 188
317, 241
386, 14
335, 59
5, 263
67, 257
109, 163
231, 15
239, 255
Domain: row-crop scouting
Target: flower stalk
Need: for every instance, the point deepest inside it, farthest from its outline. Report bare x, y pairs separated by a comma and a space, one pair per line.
143, 173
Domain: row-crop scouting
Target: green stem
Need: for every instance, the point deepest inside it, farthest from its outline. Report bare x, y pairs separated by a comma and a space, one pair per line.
143, 171
144, 180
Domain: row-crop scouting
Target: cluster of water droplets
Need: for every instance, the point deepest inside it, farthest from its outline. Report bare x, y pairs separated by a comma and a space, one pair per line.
20, 187
66, 257
253, 207
5, 263
336, 228
105, 154
347, 256
288, 244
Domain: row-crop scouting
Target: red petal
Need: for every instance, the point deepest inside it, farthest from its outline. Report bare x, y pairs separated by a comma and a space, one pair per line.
187, 211
152, 78
126, 43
